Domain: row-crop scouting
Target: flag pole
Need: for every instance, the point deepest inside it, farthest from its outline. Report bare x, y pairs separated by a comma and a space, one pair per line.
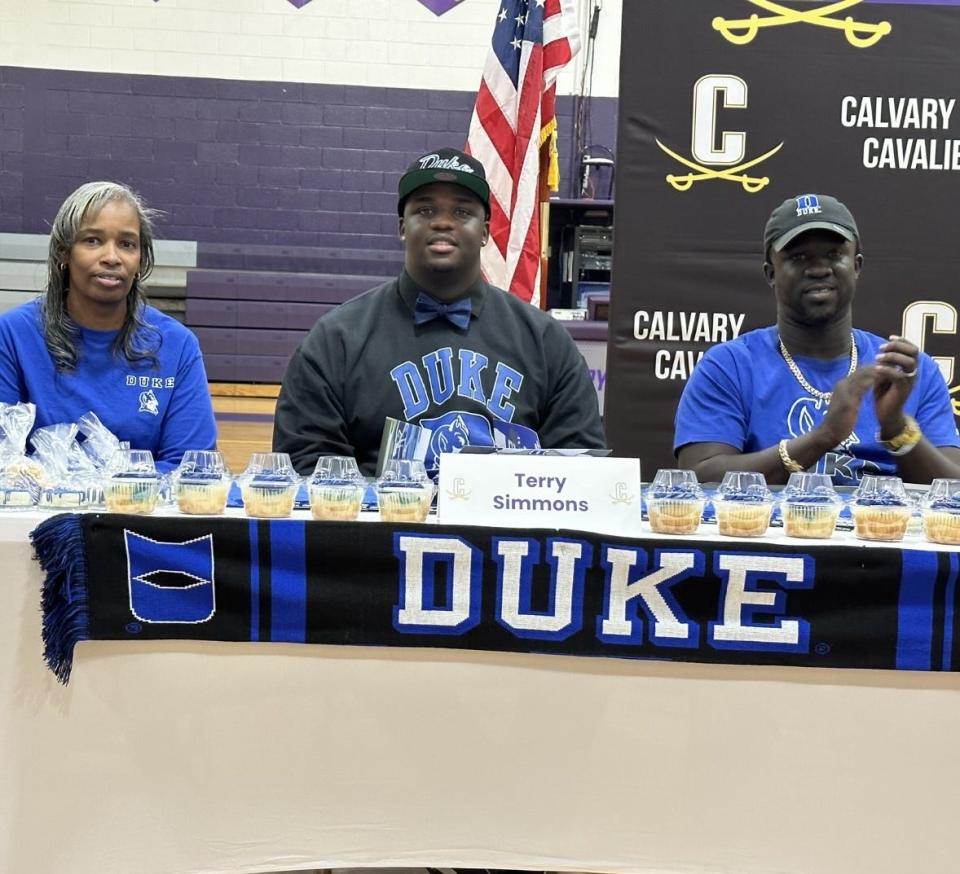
544, 197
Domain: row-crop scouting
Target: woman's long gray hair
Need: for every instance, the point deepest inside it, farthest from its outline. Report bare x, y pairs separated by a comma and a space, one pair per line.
136, 340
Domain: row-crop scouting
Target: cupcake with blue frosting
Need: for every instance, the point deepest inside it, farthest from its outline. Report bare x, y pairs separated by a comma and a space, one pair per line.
269, 485
881, 509
674, 502
810, 506
743, 504
941, 512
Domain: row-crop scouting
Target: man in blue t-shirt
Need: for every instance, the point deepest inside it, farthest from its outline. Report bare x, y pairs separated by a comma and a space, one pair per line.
812, 392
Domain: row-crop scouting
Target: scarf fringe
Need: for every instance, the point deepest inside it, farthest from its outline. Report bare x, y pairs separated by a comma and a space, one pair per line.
58, 545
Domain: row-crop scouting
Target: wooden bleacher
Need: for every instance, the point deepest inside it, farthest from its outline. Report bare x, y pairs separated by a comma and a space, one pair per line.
249, 322
250, 306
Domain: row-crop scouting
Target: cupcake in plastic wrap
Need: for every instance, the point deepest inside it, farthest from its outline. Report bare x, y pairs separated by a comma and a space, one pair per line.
336, 488
21, 480
674, 502
202, 495
18, 490
66, 486
134, 485
881, 509
21, 477
268, 496
941, 512
201, 483
269, 485
404, 492
810, 506
743, 504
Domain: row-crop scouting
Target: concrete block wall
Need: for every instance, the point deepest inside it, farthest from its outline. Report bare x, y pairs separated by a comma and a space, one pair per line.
358, 42
363, 42
265, 121
227, 161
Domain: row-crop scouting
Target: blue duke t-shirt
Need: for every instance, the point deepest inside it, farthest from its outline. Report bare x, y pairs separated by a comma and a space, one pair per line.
164, 407
742, 393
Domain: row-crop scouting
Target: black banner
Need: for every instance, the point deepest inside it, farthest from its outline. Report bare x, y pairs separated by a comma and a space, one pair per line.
727, 108
112, 577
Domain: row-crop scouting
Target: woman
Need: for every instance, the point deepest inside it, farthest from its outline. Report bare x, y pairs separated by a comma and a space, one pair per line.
91, 342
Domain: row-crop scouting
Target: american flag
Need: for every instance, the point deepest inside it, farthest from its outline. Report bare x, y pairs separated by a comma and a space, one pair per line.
514, 117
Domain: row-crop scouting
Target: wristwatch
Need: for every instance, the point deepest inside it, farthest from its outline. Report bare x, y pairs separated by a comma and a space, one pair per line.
902, 443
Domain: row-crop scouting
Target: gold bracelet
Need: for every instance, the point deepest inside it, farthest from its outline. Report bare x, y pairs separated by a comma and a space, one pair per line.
903, 442
791, 465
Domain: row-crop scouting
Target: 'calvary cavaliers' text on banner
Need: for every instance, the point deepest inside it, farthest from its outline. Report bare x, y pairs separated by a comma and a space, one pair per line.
563, 593
727, 108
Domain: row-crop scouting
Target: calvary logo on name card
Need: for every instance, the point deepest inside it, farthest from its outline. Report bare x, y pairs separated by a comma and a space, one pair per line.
540, 491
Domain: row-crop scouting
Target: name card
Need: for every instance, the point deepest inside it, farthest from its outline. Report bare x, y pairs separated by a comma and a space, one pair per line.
601, 495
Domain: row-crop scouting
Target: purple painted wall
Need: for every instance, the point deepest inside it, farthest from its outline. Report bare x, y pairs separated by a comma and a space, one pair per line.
233, 161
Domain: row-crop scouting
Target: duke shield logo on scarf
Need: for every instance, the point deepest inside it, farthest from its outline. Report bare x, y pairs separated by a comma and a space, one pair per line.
170, 582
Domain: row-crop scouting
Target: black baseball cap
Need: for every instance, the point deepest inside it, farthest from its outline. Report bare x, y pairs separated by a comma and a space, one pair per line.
808, 212
445, 165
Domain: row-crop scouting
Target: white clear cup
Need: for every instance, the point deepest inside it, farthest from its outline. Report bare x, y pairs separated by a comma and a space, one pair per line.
202, 483
269, 485
743, 504
941, 512
881, 508
810, 506
133, 485
336, 488
404, 491
674, 502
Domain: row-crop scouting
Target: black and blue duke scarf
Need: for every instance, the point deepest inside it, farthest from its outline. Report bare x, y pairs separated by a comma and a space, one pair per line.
115, 577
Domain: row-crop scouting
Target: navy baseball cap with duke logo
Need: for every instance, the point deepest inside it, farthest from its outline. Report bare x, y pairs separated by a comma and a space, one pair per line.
445, 165
808, 212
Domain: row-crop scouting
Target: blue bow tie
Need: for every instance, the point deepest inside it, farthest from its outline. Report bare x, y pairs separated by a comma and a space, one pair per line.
428, 308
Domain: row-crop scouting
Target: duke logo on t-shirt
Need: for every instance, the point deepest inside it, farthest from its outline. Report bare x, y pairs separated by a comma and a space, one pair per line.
440, 375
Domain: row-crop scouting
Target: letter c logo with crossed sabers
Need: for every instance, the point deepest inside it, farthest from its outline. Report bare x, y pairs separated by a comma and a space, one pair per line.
170, 582
622, 494
459, 490
725, 162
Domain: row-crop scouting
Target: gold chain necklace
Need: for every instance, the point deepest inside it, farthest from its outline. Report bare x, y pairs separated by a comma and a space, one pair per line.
821, 395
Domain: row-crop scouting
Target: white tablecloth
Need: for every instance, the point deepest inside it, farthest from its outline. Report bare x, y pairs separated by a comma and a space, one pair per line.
186, 758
